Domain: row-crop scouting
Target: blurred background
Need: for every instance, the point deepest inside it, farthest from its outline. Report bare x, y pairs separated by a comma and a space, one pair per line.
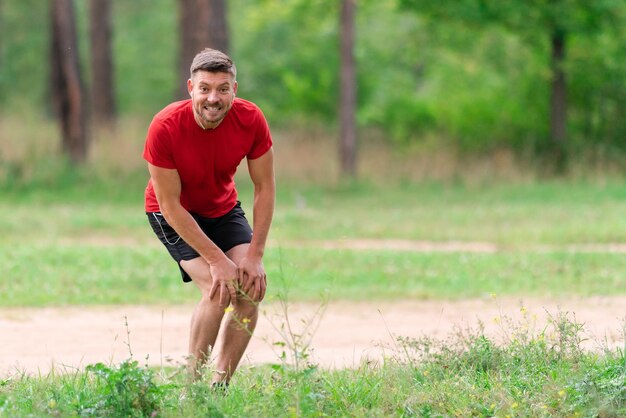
368, 90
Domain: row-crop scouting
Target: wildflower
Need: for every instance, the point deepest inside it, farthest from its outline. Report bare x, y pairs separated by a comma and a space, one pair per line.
514, 405
229, 309
523, 310
561, 393
496, 319
246, 320
426, 372
493, 295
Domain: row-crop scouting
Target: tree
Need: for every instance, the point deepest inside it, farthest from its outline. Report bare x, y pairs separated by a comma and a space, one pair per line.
190, 38
102, 87
66, 83
203, 24
555, 21
347, 107
217, 25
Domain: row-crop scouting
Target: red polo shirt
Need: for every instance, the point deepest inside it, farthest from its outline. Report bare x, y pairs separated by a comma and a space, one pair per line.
206, 160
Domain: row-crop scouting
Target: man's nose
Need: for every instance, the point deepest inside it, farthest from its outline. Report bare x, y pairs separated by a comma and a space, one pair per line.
212, 96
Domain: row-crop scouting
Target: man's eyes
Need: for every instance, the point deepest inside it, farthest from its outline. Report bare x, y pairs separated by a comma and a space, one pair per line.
223, 90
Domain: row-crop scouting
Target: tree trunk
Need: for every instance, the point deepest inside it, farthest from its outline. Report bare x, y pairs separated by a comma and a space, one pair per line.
66, 82
348, 140
218, 26
558, 102
203, 24
188, 43
102, 88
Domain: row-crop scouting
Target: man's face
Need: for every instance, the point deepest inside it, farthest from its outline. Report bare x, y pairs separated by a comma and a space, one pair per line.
212, 96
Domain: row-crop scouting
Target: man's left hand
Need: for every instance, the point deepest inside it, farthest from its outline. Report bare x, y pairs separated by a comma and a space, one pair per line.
252, 278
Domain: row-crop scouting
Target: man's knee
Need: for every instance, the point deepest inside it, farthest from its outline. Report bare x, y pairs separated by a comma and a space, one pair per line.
245, 307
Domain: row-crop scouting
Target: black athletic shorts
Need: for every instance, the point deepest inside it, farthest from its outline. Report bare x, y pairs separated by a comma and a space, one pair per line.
226, 232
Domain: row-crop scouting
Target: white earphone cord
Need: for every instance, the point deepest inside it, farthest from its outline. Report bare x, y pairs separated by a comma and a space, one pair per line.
161, 226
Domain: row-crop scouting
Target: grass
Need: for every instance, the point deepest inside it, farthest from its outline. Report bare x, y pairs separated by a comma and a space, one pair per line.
79, 237
94, 275
89, 246
530, 374
510, 216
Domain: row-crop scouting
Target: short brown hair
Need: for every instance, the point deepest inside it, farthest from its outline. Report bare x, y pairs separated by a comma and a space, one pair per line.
213, 61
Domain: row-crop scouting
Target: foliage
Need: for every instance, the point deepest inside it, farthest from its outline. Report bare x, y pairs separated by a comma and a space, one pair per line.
596, 80
530, 16
294, 74
23, 55
535, 22
473, 85
123, 390
145, 49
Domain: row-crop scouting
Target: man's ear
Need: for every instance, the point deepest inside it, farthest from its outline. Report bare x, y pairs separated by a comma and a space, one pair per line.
235, 88
189, 86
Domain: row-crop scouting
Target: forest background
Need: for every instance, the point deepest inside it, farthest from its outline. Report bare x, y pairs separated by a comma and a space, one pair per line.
440, 84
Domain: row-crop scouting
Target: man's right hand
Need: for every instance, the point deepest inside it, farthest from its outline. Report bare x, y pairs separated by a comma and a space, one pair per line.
224, 276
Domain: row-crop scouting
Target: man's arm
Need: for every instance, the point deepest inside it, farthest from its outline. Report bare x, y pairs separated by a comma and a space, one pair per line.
262, 175
251, 271
167, 187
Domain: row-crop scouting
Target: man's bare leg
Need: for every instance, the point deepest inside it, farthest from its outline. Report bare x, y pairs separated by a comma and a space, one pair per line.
238, 327
206, 319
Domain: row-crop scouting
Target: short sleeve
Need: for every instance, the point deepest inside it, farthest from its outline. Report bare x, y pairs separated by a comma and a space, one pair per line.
262, 139
158, 150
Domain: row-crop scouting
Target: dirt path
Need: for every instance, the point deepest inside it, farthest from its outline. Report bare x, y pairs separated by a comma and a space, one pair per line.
36, 340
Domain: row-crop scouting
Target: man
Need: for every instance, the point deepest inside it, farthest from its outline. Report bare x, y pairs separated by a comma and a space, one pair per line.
193, 148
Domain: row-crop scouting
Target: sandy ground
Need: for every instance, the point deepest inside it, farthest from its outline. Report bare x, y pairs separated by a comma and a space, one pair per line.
39, 340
